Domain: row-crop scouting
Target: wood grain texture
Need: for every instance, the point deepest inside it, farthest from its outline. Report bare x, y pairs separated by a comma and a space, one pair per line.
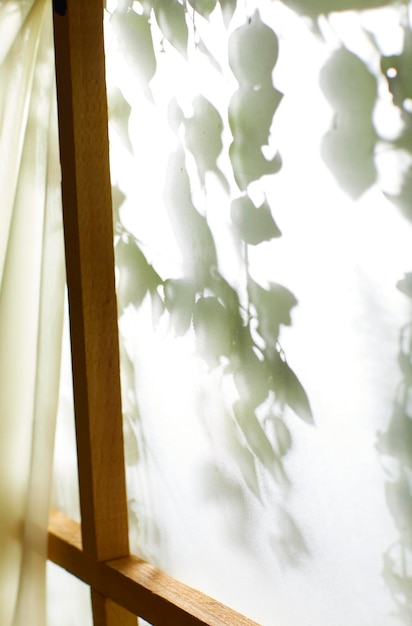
119, 616
137, 586
123, 586
108, 613
88, 228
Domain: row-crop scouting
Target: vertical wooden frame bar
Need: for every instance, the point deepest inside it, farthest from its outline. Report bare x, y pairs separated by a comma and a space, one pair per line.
97, 555
108, 613
88, 228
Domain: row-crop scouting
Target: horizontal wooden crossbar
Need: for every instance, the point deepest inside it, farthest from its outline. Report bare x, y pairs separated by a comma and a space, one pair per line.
136, 585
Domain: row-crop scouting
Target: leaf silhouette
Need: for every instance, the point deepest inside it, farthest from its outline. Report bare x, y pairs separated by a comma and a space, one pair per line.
249, 164
203, 7
203, 137
212, 328
405, 284
348, 148
136, 276
289, 390
399, 585
191, 229
397, 440
134, 37
118, 198
180, 302
403, 200
228, 8
171, 18
258, 441
399, 500
348, 85
251, 375
119, 114
243, 456
253, 52
252, 224
251, 113
283, 435
273, 307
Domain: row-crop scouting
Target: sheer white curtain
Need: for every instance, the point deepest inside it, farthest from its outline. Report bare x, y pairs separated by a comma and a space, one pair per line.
32, 281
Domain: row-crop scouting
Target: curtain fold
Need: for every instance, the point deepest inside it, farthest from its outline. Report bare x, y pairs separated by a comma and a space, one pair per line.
31, 303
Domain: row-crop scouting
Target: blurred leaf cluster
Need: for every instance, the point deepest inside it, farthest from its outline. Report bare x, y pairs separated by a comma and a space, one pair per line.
237, 326
354, 86
236, 329
396, 443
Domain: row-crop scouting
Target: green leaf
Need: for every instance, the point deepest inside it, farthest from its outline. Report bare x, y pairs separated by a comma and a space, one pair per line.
348, 147
118, 198
348, 150
258, 441
403, 199
244, 458
251, 377
253, 52
289, 389
253, 225
405, 284
212, 327
136, 276
405, 363
119, 114
203, 136
251, 113
399, 500
191, 229
134, 37
228, 8
283, 436
399, 585
273, 308
397, 440
180, 302
171, 18
249, 164
203, 7
348, 85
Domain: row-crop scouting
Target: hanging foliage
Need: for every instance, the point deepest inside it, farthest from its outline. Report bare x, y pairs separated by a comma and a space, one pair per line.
237, 324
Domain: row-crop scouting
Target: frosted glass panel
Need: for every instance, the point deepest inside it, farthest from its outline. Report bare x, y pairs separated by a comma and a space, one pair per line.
261, 162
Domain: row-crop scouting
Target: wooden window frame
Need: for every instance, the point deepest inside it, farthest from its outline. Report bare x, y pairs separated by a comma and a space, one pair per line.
97, 552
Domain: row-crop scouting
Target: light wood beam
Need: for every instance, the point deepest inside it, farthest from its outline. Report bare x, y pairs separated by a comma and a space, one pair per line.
105, 611
88, 229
